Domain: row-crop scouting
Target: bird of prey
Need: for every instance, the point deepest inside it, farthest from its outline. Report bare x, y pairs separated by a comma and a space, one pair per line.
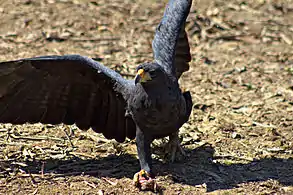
74, 89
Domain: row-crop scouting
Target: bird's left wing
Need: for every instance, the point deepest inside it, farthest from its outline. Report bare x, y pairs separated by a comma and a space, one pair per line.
182, 53
167, 36
65, 89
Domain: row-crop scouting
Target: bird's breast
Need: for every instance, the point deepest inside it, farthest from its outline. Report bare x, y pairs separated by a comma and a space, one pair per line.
157, 113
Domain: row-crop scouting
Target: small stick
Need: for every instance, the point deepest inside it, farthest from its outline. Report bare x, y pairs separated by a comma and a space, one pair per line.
90, 184
51, 175
96, 39
263, 125
36, 138
3, 130
110, 182
67, 136
81, 154
14, 143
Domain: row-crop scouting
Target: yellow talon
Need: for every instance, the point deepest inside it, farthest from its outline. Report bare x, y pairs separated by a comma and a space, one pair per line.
143, 181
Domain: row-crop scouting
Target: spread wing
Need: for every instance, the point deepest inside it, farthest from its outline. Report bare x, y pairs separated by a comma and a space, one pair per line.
171, 29
65, 89
182, 53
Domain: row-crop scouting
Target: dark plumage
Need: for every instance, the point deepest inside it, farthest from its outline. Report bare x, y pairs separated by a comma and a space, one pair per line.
75, 89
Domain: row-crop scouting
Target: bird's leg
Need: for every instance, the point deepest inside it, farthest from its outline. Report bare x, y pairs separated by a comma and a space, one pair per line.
174, 146
143, 179
143, 144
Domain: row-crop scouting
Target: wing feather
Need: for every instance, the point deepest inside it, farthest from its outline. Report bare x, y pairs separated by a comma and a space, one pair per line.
65, 89
167, 34
182, 53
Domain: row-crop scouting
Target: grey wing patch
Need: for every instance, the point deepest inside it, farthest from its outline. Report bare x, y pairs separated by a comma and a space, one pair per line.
167, 33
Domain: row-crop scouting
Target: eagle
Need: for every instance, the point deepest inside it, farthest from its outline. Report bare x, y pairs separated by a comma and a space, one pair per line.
74, 89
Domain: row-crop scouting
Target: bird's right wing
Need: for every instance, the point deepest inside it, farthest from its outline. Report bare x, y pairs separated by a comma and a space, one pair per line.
65, 89
168, 32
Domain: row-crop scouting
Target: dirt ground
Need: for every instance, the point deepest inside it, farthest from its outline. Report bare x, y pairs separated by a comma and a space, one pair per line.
239, 139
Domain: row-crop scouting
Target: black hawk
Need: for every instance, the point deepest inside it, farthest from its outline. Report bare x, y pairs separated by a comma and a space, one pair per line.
74, 89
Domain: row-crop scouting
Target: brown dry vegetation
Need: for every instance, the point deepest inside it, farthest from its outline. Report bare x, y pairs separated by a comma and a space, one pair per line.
239, 138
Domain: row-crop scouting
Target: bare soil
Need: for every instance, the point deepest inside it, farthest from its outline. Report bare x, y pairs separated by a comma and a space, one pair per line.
239, 138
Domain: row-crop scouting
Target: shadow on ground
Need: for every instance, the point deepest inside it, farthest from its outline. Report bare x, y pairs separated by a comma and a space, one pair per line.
198, 168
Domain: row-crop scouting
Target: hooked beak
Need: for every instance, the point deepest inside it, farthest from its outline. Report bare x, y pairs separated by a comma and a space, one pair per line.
142, 76
137, 79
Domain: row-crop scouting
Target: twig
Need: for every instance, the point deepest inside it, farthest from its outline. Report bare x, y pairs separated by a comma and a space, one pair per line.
90, 184
3, 130
14, 143
35, 192
19, 163
110, 182
286, 38
67, 136
243, 144
94, 138
52, 175
36, 138
82, 154
263, 125
96, 39
28, 175
75, 174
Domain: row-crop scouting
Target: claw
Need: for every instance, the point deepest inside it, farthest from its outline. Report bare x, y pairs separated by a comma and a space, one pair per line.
143, 181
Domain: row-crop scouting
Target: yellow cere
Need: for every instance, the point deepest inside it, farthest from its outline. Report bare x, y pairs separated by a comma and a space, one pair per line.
140, 72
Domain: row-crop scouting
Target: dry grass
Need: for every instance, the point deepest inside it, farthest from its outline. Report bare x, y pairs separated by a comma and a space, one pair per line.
239, 137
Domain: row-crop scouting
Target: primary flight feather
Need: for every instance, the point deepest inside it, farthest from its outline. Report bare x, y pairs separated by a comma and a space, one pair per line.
75, 89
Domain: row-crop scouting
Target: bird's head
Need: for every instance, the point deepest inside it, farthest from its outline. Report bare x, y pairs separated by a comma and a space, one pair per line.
148, 73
